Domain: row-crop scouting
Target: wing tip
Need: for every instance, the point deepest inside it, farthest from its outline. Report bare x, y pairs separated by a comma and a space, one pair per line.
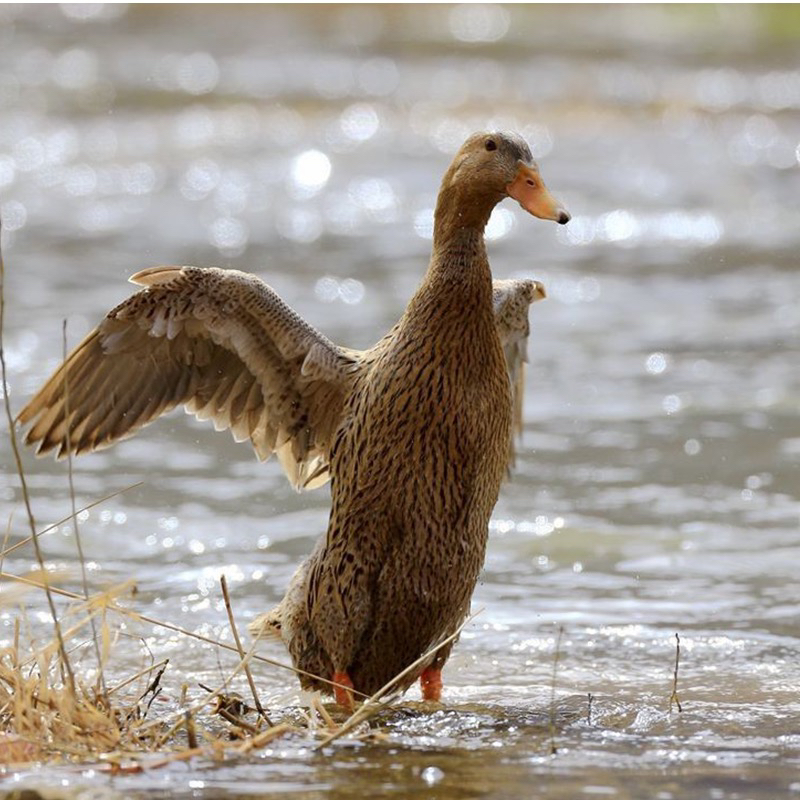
537, 291
152, 276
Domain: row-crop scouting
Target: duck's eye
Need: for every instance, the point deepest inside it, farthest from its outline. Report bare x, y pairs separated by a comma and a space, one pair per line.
530, 182
491, 144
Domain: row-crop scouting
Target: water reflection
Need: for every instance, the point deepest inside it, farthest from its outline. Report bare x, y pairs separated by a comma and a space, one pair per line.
624, 228
329, 289
200, 179
75, 69
14, 215
310, 171
479, 22
196, 73
359, 122
376, 197
93, 12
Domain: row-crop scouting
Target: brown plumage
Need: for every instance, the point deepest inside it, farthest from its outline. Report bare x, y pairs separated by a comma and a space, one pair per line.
288, 621
413, 433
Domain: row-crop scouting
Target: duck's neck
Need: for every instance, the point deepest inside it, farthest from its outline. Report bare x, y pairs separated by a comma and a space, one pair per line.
461, 257
459, 252
454, 299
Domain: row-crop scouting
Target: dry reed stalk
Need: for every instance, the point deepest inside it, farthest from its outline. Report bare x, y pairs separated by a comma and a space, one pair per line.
226, 596
214, 750
238, 722
114, 768
5, 541
263, 738
91, 607
674, 696
39, 719
316, 705
213, 694
68, 634
66, 669
63, 723
17, 749
171, 731
101, 680
136, 677
191, 733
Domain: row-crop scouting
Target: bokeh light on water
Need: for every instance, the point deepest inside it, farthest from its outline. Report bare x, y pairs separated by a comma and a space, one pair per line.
656, 486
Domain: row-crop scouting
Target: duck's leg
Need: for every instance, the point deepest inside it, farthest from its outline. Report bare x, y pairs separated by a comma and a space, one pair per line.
342, 691
430, 680
431, 684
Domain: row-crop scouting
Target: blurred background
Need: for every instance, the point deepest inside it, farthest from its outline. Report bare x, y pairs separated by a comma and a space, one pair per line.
658, 487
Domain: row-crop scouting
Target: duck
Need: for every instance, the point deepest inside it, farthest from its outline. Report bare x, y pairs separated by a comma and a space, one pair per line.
413, 434
511, 301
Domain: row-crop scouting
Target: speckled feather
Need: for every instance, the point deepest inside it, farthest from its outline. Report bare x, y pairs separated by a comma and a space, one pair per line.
413, 433
290, 619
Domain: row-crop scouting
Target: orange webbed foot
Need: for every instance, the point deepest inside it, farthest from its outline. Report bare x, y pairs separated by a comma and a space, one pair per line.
342, 691
431, 684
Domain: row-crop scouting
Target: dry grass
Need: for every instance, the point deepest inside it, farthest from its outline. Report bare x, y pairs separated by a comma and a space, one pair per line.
50, 711
44, 717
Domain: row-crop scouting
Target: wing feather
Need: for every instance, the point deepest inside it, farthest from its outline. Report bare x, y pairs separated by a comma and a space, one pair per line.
512, 300
222, 344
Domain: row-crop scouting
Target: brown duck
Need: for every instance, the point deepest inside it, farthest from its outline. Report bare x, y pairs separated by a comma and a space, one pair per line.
414, 433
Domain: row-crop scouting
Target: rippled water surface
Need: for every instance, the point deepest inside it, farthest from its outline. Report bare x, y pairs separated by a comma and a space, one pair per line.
658, 483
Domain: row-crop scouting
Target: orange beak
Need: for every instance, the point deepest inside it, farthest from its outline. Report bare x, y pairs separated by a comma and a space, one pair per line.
529, 191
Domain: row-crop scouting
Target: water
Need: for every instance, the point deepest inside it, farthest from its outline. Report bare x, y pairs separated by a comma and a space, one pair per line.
658, 482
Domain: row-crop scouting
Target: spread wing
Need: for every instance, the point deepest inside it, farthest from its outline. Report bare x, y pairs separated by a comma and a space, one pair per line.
219, 342
512, 298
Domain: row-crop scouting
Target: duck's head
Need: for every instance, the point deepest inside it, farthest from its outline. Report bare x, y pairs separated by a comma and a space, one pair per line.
496, 165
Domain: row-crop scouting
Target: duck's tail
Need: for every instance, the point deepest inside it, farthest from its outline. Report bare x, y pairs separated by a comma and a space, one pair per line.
267, 625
